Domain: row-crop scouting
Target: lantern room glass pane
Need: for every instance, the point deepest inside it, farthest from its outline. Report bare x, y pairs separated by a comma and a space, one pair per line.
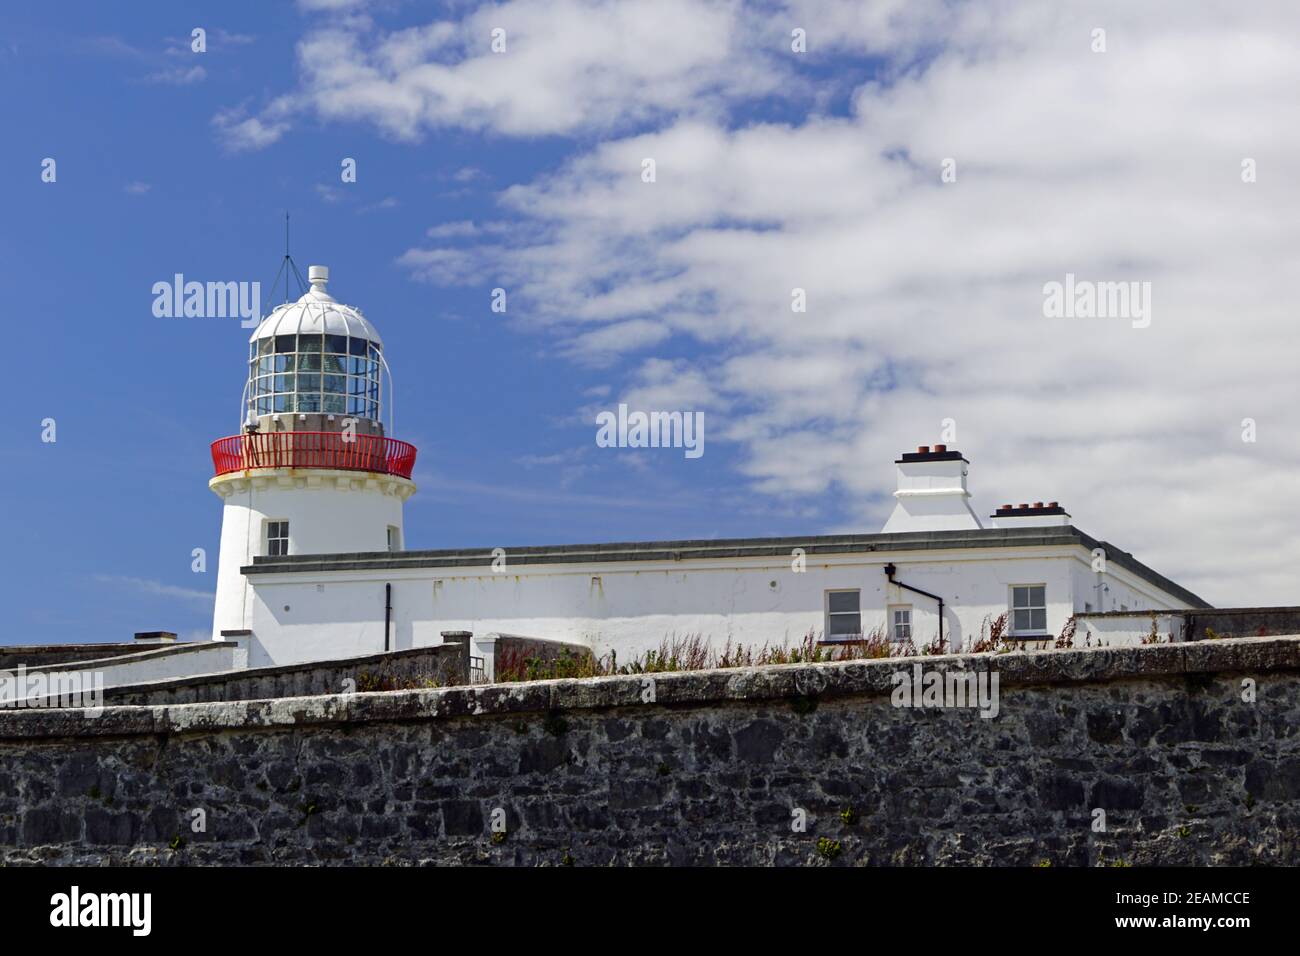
308, 403
357, 346
309, 363
336, 343
309, 343
335, 383
284, 363
333, 404
284, 383
335, 364
286, 343
284, 403
264, 346
308, 382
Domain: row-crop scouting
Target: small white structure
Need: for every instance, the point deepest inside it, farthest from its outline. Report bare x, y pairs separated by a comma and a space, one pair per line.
932, 493
312, 566
311, 471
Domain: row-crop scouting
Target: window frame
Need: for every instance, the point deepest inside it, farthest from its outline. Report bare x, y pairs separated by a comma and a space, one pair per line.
1012, 608
893, 610
827, 633
268, 525
324, 380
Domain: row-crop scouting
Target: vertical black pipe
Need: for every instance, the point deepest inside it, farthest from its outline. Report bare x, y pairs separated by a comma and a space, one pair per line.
388, 612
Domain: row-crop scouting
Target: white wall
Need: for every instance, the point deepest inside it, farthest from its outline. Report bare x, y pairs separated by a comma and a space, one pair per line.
636, 604
150, 664
1118, 630
328, 512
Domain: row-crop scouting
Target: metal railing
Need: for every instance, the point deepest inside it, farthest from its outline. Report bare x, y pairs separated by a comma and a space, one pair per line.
373, 453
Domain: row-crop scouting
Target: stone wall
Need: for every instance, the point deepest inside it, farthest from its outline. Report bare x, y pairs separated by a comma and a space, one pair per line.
1192, 751
512, 652
1241, 622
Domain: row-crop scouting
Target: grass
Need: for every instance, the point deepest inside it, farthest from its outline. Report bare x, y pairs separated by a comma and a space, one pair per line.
692, 652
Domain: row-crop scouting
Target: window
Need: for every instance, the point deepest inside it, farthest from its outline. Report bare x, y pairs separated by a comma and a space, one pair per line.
315, 373
277, 538
843, 614
1028, 609
394, 538
900, 617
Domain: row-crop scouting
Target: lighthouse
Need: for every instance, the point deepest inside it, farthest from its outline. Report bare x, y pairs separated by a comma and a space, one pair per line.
311, 470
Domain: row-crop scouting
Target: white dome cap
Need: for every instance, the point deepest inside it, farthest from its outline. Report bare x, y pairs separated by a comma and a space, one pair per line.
316, 312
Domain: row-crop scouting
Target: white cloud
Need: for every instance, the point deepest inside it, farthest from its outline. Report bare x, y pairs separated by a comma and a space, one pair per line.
568, 66
238, 132
925, 299
179, 76
157, 588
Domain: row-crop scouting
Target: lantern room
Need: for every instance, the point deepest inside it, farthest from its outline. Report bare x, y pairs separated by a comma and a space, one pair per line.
315, 357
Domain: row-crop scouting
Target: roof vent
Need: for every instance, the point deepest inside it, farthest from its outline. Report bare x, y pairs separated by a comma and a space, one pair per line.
318, 276
1031, 516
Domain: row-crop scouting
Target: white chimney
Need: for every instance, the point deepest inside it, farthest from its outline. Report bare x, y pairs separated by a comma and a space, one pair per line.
1037, 515
932, 493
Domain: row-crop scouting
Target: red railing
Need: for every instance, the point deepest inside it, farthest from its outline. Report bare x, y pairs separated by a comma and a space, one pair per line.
385, 456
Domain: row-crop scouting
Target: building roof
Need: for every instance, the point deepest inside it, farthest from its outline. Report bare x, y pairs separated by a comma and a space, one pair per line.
315, 312
1052, 536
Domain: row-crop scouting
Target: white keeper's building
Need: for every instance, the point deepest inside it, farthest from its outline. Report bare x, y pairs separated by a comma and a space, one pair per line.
313, 564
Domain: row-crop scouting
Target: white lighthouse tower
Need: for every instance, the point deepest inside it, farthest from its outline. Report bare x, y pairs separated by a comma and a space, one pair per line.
311, 471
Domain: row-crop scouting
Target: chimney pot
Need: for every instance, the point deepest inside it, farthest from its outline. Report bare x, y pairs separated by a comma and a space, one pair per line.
923, 449
1038, 504
940, 448
1022, 505
1053, 504
1006, 508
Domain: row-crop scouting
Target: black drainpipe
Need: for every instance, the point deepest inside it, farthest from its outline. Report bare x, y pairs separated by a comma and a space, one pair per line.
388, 612
891, 570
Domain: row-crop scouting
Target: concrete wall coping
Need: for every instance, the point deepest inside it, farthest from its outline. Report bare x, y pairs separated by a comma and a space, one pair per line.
111, 649
683, 688
154, 651
256, 673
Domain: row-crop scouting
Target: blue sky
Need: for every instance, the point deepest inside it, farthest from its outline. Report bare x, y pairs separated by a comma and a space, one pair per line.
775, 171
